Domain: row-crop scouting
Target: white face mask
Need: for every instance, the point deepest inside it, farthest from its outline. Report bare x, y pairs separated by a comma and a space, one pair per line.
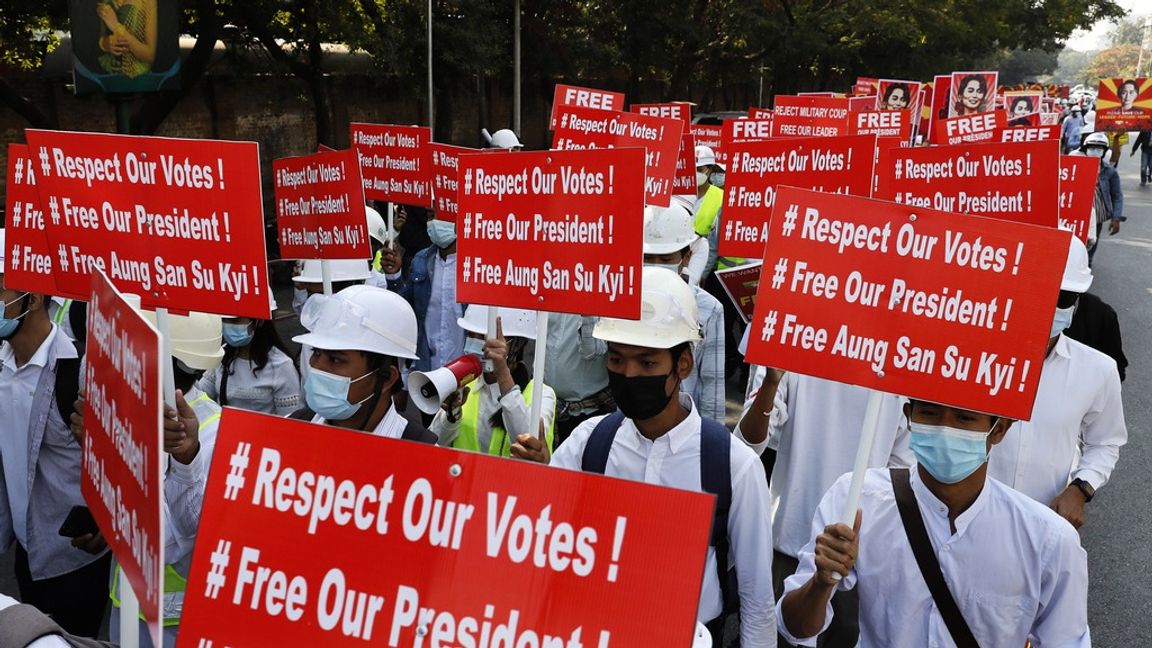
701, 178
1096, 152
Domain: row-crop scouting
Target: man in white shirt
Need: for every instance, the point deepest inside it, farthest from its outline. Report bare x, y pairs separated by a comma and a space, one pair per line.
659, 438
358, 337
1014, 568
431, 289
814, 427
1068, 449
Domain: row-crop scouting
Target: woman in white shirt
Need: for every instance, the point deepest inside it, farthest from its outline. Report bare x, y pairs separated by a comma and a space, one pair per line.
258, 372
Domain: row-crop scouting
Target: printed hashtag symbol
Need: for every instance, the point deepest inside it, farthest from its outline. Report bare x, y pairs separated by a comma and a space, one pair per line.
468, 182
44, 167
234, 481
564, 120
19, 170
778, 277
790, 220
468, 225
769, 327
467, 269
14, 260
63, 254
219, 560
438, 185
736, 161
728, 230
55, 209
204, 643
16, 209
899, 172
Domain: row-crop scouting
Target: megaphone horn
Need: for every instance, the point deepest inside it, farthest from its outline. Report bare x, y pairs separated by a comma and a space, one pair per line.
429, 389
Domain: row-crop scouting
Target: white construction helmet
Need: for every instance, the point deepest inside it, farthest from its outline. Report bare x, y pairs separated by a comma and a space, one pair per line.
342, 270
377, 228
1077, 274
706, 156
360, 318
668, 315
515, 322
1096, 139
505, 139
667, 229
194, 338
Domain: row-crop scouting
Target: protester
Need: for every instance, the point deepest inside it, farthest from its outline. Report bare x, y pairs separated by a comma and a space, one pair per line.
1015, 570
506, 139
258, 372
659, 437
1070, 131
431, 290
813, 426
1144, 144
491, 412
1116, 145
668, 235
378, 240
1109, 195
575, 369
358, 338
65, 577
1096, 325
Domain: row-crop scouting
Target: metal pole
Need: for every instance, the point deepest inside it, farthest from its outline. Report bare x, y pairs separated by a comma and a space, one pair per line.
431, 95
516, 69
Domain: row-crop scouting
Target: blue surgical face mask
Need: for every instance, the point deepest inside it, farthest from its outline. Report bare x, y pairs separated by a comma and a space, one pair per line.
442, 233
238, 335
475, 346
8, 327
327, 394
717, 179
948, 454
674, 267
1062, 320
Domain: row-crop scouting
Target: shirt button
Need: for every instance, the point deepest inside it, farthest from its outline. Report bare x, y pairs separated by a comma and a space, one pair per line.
942, 509
947, 547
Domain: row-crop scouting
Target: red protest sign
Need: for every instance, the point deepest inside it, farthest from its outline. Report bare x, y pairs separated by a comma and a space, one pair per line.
834, 164
1124, 104
394, 162
681, 111
710, 135
925, 304
445, 178
810, 116
972, 93
861, 103
941, 91
1077, 193
685, 180
884, 123
1015, 181
179, 222
28, 262
740, 284
1030, 133
320, 207
759, 113
589, 128
567, 95
970, 129
557, 231
122, 478
895, 94
406, 543
744, 130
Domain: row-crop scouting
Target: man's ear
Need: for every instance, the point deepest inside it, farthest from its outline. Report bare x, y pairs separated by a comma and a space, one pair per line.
685, 363
907, 410
999, 430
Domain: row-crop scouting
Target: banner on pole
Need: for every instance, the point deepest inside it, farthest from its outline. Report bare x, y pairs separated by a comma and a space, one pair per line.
1077, 193
568, 95
28, 258
320, 207
395, 164
810, 116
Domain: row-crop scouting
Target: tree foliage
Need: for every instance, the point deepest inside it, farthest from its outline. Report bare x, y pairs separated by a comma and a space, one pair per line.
1111, 63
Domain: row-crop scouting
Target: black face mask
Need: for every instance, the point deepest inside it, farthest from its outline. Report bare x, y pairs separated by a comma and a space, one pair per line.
640, 397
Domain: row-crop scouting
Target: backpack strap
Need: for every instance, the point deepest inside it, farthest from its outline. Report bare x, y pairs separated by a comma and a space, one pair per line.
414, 432
303, 414
926, 559
595, 457
67, 386
716, 478
78, 322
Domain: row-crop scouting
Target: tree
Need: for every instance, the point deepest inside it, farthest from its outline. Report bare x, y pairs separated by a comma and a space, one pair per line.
1112, 63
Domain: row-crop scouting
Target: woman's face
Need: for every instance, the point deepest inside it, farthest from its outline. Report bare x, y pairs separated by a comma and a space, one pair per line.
1127, 96
1020, 109
897, 100
973, 95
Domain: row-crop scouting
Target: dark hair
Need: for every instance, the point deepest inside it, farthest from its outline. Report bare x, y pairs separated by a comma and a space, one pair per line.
978, 78
264, 338
898, 86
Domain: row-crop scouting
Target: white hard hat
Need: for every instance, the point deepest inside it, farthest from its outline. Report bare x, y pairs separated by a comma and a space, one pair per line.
360, 318
505, 139
702, 638
377, 228
1096, 139
515, 322
1077, 274
194, 338
342, 270
706, 156
667, 229
668, 314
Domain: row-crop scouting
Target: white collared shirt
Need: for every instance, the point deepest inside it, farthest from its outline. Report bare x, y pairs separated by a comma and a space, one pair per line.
1014, 567
445, 337
1076, 430
17, 391
391, 426
674, 460
275, 389
815, 428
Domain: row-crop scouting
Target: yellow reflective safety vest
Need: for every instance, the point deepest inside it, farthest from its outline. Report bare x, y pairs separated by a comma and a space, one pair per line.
499, 445
62, 313
709, 209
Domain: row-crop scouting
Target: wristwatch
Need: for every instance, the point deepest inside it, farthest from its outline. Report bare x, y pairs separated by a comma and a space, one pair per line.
1085, 488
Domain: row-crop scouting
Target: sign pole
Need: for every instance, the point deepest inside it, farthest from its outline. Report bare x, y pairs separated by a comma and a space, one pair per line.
129, 613
538, 372
863, 452
326, 275
391, 225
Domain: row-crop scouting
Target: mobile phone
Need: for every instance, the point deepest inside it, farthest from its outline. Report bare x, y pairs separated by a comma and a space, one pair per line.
79, 522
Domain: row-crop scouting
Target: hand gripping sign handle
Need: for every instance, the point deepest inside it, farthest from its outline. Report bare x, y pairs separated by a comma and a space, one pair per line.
863, 452
538, 372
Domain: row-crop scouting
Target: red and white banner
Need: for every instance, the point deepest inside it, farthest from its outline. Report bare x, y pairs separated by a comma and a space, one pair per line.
320, 207
759, 113
970, 129
1016, 181
1077, 193
567, 95
926, 304
1030, 133
393, 543
179, 222
589, 128
685, 180
123, 460
558, 231
744, 130
710, 135
446, 178
741, 284
882, 123
395, 162
681, 111
810, 116
28, 257
1124, 104
832, 164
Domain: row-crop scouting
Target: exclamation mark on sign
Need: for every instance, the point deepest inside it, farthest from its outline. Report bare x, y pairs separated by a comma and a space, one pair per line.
255, 279
1074, 166
631, 280
1007, 314
342, 170
227, 227
611, 227
617, 541
661, 132
1028, 163
1024, 374
220, 167
611, 178
1029, 200
344, 199
849, 158
1019, 253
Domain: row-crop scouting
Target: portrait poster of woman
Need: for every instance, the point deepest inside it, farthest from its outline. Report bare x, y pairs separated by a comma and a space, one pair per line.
124, 46
1124, 104
897, 95
972, 93
1023, 107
